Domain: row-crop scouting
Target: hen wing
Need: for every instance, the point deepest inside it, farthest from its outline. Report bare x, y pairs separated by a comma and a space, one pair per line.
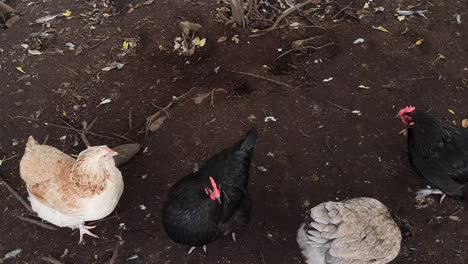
42, 163
444, 161
355, 231
45, 171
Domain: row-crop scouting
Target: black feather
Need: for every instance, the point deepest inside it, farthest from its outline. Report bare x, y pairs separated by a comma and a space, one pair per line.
439, 153
190, 217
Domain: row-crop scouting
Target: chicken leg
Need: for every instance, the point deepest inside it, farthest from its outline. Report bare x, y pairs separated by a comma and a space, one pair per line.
84, 230
428, 191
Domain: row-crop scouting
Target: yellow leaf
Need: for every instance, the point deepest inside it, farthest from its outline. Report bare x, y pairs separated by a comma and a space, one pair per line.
451, 111
125, 45
381, 28
465, 123
202, 42
419, 42
20, 69
67, 13
196, 41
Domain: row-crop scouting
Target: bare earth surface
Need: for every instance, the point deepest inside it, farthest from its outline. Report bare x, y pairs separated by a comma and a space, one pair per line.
321, 150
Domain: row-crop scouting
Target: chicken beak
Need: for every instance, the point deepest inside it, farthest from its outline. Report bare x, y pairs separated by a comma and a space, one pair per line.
219, 199
113, 153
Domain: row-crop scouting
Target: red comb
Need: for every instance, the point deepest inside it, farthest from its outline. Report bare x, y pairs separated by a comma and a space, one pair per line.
405, 110
216, 192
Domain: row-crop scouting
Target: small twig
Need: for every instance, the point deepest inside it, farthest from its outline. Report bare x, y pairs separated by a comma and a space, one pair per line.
16, 195
115, 253
343, 9
163, 108
87, 128
51, 260
306, 47
416, 78
70, 70
78, 130
328, 145
340, 107
124, 137
150, 119
263, 258
45, 139
130, 120
36, 222
212, 98
288, 12
303, 133
6, 159
265, 79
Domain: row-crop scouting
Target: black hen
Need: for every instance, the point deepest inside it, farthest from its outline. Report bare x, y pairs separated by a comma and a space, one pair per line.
438, 152
214, 201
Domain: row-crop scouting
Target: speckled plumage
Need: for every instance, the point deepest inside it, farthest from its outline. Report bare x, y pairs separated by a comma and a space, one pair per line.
355, 231
67, 192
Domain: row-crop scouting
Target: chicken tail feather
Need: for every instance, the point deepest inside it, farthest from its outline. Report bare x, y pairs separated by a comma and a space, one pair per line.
249, 140
31, 142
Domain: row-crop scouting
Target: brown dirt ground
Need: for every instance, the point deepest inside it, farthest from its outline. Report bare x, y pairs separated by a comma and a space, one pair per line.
321, 152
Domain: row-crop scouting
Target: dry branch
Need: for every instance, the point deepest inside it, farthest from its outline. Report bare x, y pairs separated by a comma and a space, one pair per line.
37, 222
288, 12
16, 195
154, 117
51, 260
264, 78
115, 252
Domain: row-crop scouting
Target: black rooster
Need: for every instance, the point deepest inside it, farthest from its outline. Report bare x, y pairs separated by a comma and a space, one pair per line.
214, 201
438, 152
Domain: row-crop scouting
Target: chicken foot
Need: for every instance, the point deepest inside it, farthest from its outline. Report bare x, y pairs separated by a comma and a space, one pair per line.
428, 191
193, 248
84, 230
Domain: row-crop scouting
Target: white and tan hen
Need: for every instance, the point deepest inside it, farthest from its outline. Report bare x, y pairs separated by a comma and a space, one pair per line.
355, 231
67, 192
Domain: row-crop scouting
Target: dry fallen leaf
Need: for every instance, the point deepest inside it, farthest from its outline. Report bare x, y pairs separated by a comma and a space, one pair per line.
381, 28
20, 69
67, 13
105, 101
222, 39
156, 124
465, 123
34, 52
